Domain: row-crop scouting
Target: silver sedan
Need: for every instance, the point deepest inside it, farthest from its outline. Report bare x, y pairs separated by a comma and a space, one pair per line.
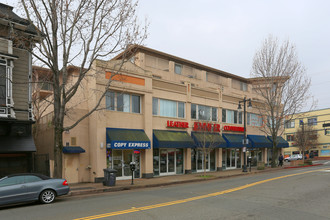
28, 187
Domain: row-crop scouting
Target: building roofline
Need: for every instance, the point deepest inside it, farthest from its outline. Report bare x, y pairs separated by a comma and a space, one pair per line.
313, 110
135, 48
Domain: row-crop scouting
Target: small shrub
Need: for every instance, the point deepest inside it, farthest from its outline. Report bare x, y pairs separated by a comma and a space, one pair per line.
309, 162
260, 167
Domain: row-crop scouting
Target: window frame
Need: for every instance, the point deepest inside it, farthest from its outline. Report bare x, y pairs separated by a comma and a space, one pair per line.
291, 137
175, 68
157, 108
211, 113
290, 123
115, 102
313, 121
5, 108
237, 116
258, 116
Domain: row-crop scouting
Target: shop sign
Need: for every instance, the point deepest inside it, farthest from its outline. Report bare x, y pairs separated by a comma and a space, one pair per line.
233, 128
130, 145
177, 124
203, 126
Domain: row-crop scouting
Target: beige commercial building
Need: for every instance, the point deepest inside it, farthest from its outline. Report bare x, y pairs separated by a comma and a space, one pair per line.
319, 121
156, 113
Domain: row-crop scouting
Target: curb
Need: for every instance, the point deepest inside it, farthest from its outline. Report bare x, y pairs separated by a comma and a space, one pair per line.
293, 167
132, 187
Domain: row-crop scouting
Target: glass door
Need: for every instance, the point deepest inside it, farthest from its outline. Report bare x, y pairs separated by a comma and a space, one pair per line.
167, 160
171, 160
163, 160
121, 160
117, 162
233, 158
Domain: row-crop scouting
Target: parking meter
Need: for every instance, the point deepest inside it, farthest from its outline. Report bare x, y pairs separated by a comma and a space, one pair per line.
132, 166
250, 161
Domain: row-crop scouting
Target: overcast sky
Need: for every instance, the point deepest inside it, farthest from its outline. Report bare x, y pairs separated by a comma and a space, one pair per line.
225, 34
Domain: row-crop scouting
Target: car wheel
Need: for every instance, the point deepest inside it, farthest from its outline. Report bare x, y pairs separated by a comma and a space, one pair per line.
47, 196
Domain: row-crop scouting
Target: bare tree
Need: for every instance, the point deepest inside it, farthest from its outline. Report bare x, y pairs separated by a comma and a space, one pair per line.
282, 84
78, 33
305, 138
206, 140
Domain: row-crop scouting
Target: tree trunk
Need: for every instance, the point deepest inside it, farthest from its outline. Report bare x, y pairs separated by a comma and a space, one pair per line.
274, 156
58, 152
204, 161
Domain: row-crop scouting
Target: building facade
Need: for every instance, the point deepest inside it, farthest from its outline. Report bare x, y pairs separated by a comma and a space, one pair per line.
16, 116
319, 120
161, 112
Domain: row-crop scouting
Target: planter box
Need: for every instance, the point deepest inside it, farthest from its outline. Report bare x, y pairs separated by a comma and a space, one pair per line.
296, 162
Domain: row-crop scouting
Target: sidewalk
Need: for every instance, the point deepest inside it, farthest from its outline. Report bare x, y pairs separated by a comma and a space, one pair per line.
90, 188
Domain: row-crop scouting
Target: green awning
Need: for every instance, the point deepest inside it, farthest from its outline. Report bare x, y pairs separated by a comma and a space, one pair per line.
208, 139
172, 139
281, 143
118, 138
235, 140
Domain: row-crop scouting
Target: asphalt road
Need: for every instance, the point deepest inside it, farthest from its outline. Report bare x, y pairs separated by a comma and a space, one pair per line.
286, 194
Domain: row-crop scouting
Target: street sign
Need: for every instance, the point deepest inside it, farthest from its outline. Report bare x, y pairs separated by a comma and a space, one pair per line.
246, 141
244, 149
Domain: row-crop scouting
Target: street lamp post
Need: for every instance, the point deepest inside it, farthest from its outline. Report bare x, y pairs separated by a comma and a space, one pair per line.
245, 136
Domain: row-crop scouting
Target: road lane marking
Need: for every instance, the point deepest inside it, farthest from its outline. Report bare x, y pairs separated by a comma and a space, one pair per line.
134, 209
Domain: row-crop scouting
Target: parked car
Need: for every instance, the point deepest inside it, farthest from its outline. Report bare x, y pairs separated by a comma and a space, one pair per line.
18, 188
293, 157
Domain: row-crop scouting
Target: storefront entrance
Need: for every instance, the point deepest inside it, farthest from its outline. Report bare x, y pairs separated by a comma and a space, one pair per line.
256, 156
120, 160
168, 161
197, 160
231, 158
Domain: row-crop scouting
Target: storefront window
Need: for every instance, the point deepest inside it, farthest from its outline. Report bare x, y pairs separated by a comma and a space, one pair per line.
179, 161
156, 161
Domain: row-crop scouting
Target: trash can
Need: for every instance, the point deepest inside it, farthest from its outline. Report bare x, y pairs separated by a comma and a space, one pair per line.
109, 177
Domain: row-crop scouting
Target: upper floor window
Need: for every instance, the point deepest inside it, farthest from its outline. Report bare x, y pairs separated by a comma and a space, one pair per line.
232, 116
312, 121
254, 119
178, 68
243, 86
290, 137
168, 108
202, 112
289, 124
122, 102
